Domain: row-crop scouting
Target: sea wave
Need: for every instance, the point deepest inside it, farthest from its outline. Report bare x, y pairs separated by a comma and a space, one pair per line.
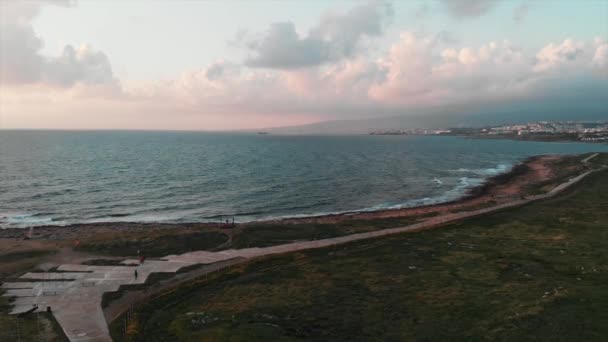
24, 220
459, 189
487, 172
464, 184
493, 171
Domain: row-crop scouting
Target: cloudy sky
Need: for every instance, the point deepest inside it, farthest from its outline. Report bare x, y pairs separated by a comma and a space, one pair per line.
206, 65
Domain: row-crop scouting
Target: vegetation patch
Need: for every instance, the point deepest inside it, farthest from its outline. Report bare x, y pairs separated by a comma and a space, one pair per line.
536, 272
153, 244
500, 179
270, 234
30, 328
21, 255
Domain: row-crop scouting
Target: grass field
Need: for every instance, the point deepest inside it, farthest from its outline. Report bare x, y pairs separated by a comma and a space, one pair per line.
164, 242
41, 327
600, 159
537, 272
262, 235
155, 244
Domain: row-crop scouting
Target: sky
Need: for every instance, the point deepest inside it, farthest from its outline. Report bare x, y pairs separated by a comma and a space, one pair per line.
230, 65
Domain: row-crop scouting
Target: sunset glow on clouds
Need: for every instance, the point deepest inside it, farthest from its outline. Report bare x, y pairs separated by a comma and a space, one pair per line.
341, 67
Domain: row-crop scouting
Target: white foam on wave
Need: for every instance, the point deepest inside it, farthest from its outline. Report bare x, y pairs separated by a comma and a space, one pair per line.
437, 181
488, 172
493, 171
175, 216
464, 184
25, 220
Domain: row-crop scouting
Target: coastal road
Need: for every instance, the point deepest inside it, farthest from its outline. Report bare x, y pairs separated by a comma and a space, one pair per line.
74, 294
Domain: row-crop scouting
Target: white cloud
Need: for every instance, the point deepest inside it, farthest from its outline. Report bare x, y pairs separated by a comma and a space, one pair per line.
600, 56
416, 72
419, 73
22, 63
567, 54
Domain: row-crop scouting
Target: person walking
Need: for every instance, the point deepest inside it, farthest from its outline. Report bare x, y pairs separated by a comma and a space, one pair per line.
135, 273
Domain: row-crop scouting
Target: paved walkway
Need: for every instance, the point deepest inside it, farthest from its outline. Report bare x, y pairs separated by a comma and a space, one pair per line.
74, 293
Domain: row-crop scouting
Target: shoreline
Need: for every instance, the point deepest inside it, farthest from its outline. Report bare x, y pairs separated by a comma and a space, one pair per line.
95, 325
530, 138
497, 189
54, 260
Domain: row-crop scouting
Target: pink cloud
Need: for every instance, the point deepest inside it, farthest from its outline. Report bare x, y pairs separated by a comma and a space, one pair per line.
78, 89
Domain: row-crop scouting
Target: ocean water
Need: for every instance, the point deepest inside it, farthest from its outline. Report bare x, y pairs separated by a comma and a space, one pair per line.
60, 178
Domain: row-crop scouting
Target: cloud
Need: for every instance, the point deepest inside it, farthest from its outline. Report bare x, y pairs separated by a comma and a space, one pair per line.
421, 12
214, 71
520, 12
468, 8
420, 72
78, 65
22, 63
600, 56
569, 53
417, 72
283, 48
335, 37
292, 78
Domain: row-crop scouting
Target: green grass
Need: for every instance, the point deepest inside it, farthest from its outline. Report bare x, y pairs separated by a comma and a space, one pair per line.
564, 169
17, 263
599, 160
29, 328
26, 328
262, 235
538, 272
154, 245
16, 256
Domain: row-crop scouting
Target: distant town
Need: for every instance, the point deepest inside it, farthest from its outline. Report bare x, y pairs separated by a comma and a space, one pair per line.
584, 131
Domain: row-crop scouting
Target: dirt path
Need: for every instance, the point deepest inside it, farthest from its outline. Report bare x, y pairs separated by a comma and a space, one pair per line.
586, 160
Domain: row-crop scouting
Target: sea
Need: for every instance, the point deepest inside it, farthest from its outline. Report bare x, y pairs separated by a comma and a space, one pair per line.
69, 177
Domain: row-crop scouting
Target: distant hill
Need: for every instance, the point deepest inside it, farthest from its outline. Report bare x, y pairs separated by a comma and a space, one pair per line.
448, 117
